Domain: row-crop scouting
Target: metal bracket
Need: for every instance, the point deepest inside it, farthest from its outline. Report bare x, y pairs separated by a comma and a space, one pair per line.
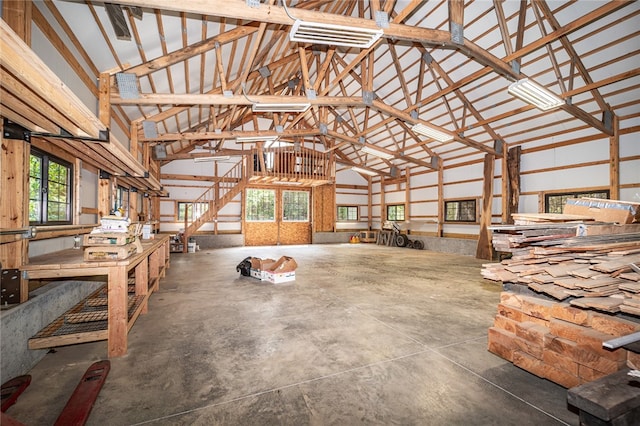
11, 130
103, 136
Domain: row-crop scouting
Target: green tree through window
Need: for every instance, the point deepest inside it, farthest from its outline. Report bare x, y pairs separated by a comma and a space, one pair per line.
395, 212
295, 206
260, 205
50, 190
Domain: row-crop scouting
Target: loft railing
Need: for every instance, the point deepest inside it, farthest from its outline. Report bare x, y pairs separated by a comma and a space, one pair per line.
289, 164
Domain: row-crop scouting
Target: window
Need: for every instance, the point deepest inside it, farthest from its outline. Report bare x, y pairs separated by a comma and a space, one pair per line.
348, 213
295, 206
395, 212
50, 190
122, 199
460, 211
554, 203
261, 205
195, 210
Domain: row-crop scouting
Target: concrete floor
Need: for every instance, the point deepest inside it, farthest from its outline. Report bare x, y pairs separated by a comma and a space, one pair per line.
365, 335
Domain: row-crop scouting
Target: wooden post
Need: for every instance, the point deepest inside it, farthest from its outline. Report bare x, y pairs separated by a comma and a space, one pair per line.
506, 192
383, 204
14, 212
614, 160
370, 204
104, 196
485, 249
440, 231
118, 314
407, 188
513, 188
142, 282
17, 13
104, 99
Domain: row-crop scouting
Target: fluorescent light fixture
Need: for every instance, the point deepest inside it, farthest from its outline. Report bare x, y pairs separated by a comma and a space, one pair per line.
431, 132
213, 158
280, 107
538, 96
250, 139
277, 144
364, 171
376, 152
331, 34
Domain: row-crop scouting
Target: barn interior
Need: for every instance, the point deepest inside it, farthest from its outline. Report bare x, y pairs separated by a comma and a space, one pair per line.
439, 204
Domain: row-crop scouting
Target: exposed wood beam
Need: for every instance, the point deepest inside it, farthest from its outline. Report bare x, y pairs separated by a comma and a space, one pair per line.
219, 99
380, 106
193, 136
191, 51
502, 25
278, 15
544, 8
456, 20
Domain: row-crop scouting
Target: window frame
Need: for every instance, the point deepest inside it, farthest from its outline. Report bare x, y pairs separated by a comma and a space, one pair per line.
395, 206
185, 203
571, 194
348, 219
284, 205
44, 201
246, 205
459, 202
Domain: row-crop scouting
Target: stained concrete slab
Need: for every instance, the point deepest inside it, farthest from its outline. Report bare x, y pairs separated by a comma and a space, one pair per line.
365, 335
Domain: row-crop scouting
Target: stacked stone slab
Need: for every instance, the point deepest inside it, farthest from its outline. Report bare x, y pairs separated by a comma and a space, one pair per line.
557, 341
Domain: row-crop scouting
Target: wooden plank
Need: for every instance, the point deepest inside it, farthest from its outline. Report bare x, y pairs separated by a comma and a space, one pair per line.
67, 339
607, 304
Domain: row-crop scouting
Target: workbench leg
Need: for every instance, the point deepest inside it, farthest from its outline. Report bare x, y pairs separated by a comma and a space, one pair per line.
154, 268
118, 315
142, 282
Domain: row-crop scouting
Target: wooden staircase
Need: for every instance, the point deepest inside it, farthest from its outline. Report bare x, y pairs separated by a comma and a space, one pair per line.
215, 198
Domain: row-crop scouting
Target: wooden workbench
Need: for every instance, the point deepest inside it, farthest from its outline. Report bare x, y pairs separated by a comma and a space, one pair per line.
148, 266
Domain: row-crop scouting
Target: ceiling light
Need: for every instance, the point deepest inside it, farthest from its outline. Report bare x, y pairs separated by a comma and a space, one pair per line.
213, 158
431, 132
331, 34
250, 139
382, 154
277, 144
280, 107
365, 171
538, 96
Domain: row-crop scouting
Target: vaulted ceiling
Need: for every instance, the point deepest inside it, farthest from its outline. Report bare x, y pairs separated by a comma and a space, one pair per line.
198, 66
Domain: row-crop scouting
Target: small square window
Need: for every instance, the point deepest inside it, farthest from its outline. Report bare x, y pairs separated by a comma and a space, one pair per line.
395, 212
347, 214
460, 211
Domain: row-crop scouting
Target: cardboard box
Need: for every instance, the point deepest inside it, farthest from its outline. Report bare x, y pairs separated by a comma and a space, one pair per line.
110, 253
259, 266
108, 239
283, 270
622, 212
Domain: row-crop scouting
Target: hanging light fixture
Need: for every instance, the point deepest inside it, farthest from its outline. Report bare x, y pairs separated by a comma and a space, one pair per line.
211, 158
535, 94
280, 107
431, 132
251, 139
378, 153
331, 34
